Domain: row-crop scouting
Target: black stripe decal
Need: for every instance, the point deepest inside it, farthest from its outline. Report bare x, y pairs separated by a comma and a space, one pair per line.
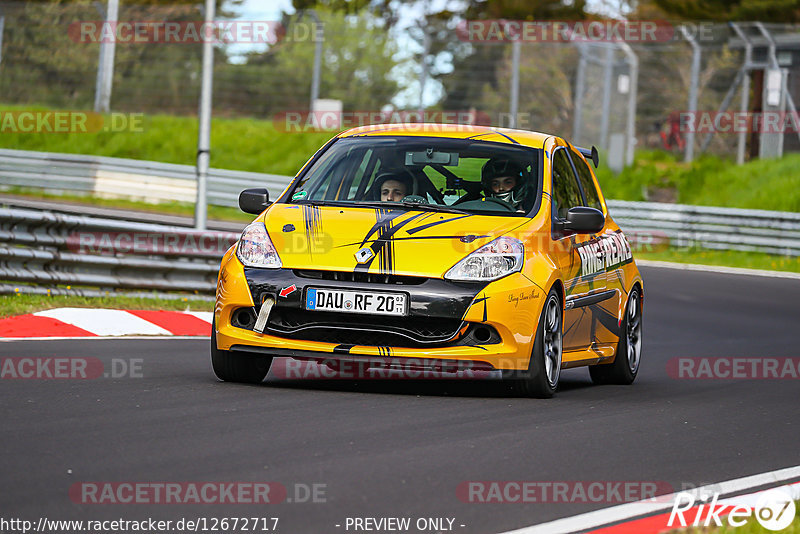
589, 300
429, 225
312, 225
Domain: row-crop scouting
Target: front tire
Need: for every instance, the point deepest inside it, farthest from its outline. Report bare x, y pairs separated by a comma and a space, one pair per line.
544, 370
235, 367
625, 367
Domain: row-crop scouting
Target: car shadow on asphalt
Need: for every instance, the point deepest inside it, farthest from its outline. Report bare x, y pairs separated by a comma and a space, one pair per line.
454, 387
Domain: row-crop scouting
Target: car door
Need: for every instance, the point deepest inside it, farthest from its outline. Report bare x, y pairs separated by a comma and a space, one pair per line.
615, 253
576, 255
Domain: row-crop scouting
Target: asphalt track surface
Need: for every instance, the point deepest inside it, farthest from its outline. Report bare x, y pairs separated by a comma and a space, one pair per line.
401, 448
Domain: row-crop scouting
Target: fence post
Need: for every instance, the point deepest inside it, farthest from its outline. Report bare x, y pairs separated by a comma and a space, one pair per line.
745, 102
693, 83
608, 67
2, 25
580, 81
318, 41
514, 107
105, 65
630, 129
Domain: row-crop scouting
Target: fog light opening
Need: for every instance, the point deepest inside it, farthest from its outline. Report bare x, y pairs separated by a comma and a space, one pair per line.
244, 318
482, 334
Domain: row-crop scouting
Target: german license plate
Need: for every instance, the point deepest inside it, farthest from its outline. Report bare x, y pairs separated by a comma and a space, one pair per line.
347, 301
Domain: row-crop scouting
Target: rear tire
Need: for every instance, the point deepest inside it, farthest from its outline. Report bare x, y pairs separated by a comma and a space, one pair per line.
237, 367
625, 367
544, 370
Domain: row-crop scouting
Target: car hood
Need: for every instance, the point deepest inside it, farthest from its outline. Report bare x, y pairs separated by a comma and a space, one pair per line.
389, 241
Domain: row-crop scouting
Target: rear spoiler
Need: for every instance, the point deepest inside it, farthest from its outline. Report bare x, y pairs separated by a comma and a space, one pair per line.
590, 154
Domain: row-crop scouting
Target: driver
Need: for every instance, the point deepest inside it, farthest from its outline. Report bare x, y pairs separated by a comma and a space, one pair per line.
503, 179
393, 187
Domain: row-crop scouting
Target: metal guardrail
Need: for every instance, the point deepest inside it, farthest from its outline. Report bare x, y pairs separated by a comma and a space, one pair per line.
99, 255
128, 178
712, 228
59, 251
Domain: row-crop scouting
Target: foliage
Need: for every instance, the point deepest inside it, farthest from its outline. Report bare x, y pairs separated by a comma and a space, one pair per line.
356, 62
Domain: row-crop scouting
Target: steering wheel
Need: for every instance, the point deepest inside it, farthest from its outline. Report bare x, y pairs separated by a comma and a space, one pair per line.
507, 205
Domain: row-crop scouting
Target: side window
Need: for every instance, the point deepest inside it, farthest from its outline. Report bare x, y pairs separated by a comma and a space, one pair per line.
566, 194
585, 176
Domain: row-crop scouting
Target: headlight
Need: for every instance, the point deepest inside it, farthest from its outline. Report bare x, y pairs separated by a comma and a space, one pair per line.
490, 262
255, 249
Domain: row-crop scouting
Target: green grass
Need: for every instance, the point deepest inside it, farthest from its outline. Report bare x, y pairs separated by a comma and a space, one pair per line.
19, 303
236, 143
726, 258
772, 184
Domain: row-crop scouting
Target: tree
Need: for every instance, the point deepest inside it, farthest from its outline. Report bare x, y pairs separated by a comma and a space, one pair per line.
358, 56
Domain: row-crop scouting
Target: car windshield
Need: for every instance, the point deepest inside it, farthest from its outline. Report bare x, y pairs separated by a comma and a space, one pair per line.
424, 173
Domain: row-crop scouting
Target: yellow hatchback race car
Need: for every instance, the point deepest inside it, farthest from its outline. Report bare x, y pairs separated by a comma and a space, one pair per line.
440, 247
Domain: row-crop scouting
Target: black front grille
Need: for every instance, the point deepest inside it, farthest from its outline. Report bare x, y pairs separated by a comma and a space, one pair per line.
350, 276
352, 329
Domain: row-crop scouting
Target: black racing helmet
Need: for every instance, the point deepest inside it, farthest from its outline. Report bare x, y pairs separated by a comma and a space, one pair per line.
503, 168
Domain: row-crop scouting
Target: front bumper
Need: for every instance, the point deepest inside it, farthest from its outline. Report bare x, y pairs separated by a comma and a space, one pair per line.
447, 322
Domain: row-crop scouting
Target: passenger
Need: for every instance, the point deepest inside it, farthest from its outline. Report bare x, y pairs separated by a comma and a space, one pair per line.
503, 179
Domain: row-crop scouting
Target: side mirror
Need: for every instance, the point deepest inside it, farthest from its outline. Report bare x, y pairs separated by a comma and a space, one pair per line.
254, 200
584, 220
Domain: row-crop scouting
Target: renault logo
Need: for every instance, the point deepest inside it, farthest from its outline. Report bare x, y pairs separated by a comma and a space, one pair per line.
364, 255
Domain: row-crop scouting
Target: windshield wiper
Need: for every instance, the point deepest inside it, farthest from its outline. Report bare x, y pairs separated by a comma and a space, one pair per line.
387, 205
432, 207
410, 205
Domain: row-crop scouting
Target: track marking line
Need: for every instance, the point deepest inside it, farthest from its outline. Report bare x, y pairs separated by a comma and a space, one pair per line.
628, 511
